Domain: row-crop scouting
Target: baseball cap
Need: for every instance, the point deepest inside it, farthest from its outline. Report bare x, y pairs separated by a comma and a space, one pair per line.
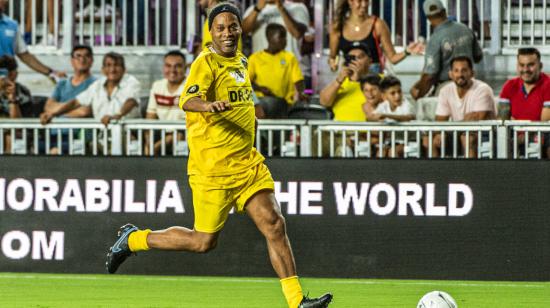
433, 7
357, 45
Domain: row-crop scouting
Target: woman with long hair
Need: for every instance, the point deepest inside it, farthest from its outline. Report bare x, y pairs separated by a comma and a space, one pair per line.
352, 23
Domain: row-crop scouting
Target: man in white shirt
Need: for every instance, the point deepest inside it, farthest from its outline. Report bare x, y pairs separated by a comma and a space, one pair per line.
293, 16
111, 97
465, 99
164, 97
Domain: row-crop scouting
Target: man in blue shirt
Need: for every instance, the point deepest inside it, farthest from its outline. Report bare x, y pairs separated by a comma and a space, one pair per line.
12, 44
82, 59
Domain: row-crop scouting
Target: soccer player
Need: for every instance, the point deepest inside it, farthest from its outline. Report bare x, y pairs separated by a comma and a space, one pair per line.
225, 170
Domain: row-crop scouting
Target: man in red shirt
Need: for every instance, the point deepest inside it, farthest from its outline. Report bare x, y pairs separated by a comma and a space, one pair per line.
526, 97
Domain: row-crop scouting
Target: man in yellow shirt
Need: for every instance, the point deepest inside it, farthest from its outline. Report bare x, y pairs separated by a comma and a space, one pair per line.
275, 72
225, 170
344, 94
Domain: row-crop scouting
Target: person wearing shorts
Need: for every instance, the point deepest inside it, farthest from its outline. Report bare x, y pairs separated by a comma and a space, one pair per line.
225, 170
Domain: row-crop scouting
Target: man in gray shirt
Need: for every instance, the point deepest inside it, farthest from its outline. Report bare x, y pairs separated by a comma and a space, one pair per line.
449, 40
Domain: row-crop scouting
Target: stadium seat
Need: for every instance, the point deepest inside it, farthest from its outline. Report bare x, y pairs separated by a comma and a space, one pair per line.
309, 112
274, 107
143, 101
36, 108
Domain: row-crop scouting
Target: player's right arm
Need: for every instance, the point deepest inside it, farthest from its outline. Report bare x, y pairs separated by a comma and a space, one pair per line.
201, 78
196, 104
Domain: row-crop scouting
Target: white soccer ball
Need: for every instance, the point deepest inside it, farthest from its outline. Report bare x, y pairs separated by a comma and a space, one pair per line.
437, 299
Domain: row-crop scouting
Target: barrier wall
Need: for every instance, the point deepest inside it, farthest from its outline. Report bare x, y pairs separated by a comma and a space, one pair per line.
452, 219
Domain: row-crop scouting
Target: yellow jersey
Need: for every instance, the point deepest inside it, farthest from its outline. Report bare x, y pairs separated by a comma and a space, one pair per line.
348, 102
207, 37
220, 143
278, 72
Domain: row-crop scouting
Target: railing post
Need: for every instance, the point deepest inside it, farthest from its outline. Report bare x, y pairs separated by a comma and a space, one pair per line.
317, 56
68, 25
193, 17
502, 141
305, 140
496, 27
116, 138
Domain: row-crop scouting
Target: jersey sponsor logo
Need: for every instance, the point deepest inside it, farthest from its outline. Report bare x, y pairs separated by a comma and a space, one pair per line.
239, 94
193, 89
238, 75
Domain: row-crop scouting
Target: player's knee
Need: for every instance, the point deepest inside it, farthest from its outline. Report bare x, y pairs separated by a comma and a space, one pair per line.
205, 245
275, 227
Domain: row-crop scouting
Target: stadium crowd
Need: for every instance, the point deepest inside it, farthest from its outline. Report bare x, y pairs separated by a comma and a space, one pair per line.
279, 41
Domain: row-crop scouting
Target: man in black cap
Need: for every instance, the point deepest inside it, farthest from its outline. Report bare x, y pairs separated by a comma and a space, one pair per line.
449, 40
225, 170
344, 94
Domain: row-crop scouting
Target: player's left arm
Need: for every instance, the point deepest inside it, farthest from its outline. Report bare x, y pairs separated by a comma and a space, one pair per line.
196, 104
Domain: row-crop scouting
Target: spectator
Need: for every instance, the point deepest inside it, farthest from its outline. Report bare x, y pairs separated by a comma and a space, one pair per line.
351, 23
466, 99
527, 97
12, 95
11, 44
111, 97
66, 90
449, 40
373, 95
164, 97
394, 108
275, 72
344, 94
293, 16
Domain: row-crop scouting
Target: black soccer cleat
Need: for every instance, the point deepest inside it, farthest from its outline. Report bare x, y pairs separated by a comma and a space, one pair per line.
120, 250
319, 302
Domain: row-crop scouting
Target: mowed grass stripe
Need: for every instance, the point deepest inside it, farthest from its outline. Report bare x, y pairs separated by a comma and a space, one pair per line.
69, 290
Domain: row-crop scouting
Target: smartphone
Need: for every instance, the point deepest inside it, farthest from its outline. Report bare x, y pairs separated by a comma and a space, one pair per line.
348, 59
3, 72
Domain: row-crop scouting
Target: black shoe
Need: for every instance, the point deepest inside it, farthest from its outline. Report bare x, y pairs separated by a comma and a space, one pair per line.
320, 302
120, 250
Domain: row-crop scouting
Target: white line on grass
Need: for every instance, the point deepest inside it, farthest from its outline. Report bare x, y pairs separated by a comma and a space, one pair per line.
260, 280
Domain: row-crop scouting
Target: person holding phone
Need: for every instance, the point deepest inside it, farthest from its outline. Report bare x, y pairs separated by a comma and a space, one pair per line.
344, 94
15, 99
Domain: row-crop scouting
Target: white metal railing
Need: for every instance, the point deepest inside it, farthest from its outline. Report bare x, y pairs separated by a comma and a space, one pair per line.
58, 24
62, 136
285, 138
150, 137
410, 139
279, 137
525, 23
529, 140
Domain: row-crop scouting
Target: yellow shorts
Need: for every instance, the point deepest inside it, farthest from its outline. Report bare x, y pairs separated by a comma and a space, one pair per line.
214, 196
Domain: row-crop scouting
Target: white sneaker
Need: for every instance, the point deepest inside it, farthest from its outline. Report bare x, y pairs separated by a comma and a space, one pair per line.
87, 11
106, 11
49, 40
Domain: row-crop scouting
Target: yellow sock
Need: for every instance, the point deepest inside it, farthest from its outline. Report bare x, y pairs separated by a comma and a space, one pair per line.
292, 291
137, 241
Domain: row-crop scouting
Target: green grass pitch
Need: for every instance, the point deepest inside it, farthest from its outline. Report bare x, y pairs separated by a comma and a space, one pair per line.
64, 290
